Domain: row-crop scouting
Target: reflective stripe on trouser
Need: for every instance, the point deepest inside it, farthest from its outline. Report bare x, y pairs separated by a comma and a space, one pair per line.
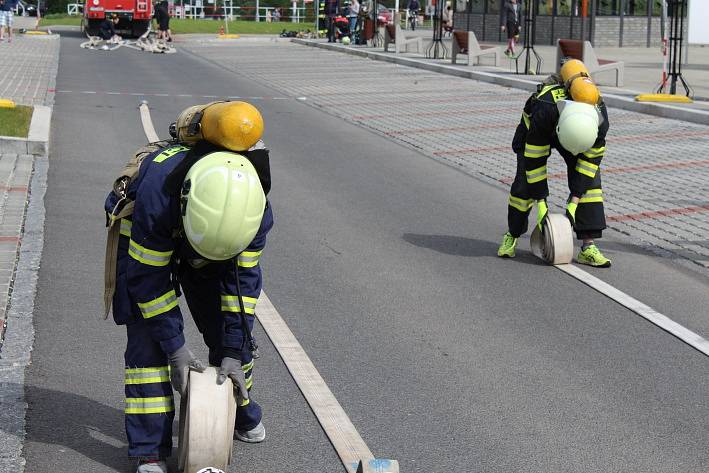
519, 203
590, 217
203, 296
149, 401
590, 214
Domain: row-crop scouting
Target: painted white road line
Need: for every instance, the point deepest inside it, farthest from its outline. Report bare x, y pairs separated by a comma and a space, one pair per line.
337, 425
141, 94
645, 311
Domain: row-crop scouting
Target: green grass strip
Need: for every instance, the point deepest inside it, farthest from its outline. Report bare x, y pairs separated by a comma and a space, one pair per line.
178, 26
15, 121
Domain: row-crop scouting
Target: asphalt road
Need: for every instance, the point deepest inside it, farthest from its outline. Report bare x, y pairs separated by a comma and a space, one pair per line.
382, 263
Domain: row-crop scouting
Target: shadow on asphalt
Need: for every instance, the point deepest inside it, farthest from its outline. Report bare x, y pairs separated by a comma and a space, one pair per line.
78, 423
75, 422
69, 33
463, 246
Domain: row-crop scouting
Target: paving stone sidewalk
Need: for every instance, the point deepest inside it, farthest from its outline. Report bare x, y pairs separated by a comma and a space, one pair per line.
28, 69
656, 171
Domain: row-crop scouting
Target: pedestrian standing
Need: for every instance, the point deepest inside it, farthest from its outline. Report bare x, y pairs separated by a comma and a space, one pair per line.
448, 20
511, 21
354, 12
332, 7
162, 16
6, 15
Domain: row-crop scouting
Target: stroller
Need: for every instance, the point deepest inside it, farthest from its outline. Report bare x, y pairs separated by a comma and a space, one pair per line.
342, 27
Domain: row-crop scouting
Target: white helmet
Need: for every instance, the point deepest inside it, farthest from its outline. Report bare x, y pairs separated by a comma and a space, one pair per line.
223, 204
577, 128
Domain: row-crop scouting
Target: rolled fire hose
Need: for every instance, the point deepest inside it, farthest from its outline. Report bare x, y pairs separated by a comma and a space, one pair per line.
555, 244
207, 416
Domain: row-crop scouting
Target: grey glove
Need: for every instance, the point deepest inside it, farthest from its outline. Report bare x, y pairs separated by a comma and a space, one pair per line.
181, 361
231, 368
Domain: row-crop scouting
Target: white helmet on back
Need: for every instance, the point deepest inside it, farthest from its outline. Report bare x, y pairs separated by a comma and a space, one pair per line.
223, 203
577, 128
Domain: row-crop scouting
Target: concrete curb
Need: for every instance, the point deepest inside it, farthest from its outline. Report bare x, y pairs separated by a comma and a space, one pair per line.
16, 354
37, 141
615, 101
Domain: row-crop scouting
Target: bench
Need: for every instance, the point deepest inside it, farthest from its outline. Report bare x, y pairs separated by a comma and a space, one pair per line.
583, 51
394, 34
465, 42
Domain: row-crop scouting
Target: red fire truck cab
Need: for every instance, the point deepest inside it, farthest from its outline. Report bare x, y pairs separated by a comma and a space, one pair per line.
134, 15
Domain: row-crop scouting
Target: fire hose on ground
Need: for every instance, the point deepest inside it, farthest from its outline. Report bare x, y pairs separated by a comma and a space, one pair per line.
146, 42
554, 243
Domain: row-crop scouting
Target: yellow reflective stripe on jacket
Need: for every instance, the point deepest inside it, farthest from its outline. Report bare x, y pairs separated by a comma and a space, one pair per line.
557, 92
231, 304
158, 374
592, 195
248, 366
249, 382
248, 259
244, 402
159, 305
126, 226
149, 405
148, 256
525, 119
546, 89
537, 175
169, 153
586, 168
523, 205
536, 151
595, 152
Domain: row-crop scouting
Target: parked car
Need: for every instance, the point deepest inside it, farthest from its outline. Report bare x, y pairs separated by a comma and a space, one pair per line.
25, 8
384, 15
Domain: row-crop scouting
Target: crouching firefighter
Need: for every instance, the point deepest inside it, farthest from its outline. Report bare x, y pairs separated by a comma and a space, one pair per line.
189, 216
567, 114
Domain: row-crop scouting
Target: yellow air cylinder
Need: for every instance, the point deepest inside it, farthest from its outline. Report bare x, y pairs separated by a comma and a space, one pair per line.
577, 79
236, 126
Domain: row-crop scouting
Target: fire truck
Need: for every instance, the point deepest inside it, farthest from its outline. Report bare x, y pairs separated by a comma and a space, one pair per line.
134, 15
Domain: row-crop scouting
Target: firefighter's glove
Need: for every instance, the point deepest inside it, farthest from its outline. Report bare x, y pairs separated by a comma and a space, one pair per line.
542, 211
181, 362
231, 368
571, 212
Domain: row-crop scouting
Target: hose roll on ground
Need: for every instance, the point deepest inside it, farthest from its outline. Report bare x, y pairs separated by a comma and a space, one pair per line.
555, 244
207, 416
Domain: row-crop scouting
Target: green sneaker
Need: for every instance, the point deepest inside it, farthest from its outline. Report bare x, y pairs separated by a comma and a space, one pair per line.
507, 248
592, 256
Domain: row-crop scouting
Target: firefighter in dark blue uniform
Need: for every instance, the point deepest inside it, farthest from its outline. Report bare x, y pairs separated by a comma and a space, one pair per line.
198, 226
566, 113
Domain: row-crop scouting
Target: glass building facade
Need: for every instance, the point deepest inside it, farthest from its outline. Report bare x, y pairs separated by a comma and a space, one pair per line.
603, 22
